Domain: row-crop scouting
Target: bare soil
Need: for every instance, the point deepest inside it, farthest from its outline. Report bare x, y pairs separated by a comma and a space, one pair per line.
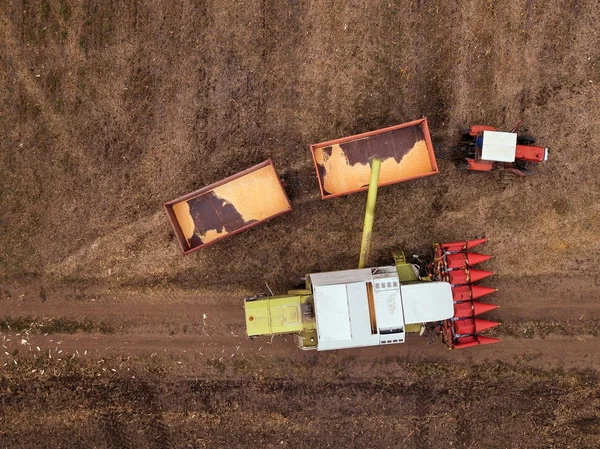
112, 338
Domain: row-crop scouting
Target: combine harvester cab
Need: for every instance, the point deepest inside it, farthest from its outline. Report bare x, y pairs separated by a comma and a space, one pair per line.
453, 263
491, 149
227, 207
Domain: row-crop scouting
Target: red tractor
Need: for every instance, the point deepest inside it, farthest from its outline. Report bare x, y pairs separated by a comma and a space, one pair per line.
488, 148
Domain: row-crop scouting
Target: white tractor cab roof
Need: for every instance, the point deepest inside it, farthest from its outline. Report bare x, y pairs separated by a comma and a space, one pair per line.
499, 146
368, 307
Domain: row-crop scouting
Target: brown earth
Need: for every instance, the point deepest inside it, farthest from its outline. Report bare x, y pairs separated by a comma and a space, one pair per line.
109, 109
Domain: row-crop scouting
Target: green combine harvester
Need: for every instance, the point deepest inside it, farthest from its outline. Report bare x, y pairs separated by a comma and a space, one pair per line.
354, 308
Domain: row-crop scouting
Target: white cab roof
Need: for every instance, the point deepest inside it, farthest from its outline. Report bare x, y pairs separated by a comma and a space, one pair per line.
499, 146
343, 319
342, 306
427, 302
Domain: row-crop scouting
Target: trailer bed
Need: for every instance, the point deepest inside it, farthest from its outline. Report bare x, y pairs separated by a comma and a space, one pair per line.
227, 207
343, 165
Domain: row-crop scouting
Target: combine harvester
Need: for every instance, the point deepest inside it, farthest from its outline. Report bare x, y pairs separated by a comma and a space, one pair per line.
377, 306
489, 149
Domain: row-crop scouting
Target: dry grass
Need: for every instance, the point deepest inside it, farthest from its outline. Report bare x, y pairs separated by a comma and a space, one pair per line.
107, 110
131, 109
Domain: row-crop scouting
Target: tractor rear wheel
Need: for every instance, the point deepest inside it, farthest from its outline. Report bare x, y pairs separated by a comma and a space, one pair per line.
462, 165
525, 140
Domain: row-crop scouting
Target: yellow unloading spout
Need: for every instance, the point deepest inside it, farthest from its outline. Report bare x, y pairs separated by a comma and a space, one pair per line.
369, 212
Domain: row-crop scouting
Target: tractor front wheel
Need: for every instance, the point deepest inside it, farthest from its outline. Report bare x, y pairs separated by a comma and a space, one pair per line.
466, 135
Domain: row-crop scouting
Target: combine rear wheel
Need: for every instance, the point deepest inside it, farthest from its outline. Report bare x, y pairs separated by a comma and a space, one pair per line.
255, 297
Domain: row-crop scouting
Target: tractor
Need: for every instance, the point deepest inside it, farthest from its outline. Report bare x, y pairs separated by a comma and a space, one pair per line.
488, 149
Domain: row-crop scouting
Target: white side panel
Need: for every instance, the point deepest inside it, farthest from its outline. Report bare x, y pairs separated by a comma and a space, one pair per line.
331, 309
499, 146
358, 305
388, 309
372, 340
341, 277
427, 302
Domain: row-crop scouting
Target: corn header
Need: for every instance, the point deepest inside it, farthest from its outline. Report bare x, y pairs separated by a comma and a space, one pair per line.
453, 263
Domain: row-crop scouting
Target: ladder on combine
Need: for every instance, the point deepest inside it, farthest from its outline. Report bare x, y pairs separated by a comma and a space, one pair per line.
407, 273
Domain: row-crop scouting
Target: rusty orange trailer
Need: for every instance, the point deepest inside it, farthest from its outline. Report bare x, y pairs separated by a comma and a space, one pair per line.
227, 207
405, 150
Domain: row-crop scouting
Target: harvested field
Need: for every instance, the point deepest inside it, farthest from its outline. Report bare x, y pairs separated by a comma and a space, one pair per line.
112, 338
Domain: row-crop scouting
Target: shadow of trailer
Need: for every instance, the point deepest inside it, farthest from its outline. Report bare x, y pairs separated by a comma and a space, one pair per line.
227, 207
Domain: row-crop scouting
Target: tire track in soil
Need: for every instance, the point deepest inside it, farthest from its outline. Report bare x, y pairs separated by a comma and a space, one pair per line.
423, 403
520, 299
242, 410
113, 422
159, 433
139, 401
192, 353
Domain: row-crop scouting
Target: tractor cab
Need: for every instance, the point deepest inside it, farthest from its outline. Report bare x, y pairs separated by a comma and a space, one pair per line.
497, 146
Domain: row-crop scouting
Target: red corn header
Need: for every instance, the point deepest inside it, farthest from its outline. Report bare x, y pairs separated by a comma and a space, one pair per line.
454, 263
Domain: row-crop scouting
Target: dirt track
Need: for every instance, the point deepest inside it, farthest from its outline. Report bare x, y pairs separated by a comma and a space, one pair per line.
108, 109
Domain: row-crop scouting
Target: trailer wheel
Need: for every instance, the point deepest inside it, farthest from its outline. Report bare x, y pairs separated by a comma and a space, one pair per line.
525, 140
